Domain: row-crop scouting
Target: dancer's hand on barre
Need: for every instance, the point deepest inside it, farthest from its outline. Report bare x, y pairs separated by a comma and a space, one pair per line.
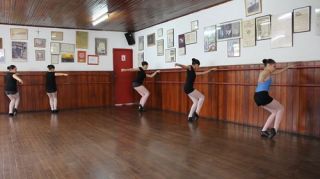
206, 72
153, 74
213, 69
180, 65
282, 70
129, 69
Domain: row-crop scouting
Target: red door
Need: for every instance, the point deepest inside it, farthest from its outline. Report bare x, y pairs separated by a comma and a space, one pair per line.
122, 58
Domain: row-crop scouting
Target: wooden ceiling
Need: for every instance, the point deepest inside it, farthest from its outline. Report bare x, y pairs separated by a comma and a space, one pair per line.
125, 15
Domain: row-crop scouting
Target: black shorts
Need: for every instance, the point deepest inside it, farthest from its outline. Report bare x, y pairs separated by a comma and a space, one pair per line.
136, 84
262, 98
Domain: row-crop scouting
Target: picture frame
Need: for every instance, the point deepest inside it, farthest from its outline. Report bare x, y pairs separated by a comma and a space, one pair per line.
82, 39
151, 40
101, 46
82, 56
160, 47
1, 46
170, 55
194, 25
55, 59
170, 38
55, 48
229, 30
140, 58
210, 39
233, 48
249, 33
67, 57
317, 19
182, 44
160, 32
56, 36
40, 55
93, 60
18, 34
141, 43
282, 31
19, 51
263, 27
39, 43
190, 37
302, 19
67, 48
2, 56
253, 7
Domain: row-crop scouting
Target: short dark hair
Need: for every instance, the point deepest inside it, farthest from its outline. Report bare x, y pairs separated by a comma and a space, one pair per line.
144, 63
50, 67
195, 61
268, 61
11, 67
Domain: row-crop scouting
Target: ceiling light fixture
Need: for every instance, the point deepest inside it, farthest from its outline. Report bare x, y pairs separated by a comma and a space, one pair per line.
100, 16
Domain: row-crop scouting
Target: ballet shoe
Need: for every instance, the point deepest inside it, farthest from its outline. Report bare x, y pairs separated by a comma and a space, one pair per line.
140, 108
15, 111
195, 116
264, 133
11, 114
190, 119
273, 132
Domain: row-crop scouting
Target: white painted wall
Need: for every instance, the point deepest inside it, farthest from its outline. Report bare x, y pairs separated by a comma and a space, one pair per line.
306, 45
115, 40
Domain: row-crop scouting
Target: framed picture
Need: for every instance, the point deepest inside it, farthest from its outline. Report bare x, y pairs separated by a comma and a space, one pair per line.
141, 43
0, 43
170, 38
101, 46
182, 44
67, 57
281, 30
58, 36
249, 33
19, 51
263, 27
69, 48
170, 55
253, 7
82, 39
140, 58
190, 37
40, 55
233, 47
194, 25
160, 32
40, 43
93, 60
2, 56
317, 21
151, 40
55, 48
160, 47
82, 56
302, 19
18, 34
54, 59
229, 30
210, 39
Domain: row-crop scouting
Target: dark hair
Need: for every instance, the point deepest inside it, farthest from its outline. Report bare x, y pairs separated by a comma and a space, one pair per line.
11, 67
144, 63
268, 61
50, 67
195, 61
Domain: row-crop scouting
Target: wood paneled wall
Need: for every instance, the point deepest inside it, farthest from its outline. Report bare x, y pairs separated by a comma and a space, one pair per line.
78, 90
229, 95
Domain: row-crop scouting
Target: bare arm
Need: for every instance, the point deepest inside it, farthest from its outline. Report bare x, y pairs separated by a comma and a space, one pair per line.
153, 74
17, 78
206, 72
182, 66
60, 74
130, 69
282, 70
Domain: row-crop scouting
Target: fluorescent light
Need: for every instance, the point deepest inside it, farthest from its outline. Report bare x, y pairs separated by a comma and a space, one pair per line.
100, 13
101, 19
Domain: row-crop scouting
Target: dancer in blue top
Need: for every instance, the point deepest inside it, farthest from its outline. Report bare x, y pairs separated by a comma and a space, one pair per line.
263, 99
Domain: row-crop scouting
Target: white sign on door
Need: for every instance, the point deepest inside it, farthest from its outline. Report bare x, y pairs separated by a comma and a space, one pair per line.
123, 58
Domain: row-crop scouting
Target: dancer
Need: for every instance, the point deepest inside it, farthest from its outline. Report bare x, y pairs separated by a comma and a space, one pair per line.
196, 97
11, 89
51, 87
263, 99
138, 83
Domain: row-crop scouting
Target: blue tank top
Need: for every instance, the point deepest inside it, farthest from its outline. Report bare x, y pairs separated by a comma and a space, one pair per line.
264, 86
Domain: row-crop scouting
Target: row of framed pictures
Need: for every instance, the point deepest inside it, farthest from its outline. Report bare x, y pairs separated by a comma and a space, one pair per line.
82, 58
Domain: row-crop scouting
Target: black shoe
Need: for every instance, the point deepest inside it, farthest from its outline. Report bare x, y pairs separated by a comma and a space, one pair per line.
195, 116
190, 119
273, 132
15, 111
264, 134
56, 111
141, 109
11, 114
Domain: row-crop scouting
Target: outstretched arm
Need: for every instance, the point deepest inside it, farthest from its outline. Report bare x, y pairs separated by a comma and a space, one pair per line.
17, 78
182, 66
60, 74
206, 72
130, 69
153, 74
282, 70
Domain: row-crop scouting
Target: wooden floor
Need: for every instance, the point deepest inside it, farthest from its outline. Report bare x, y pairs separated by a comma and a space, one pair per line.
120, 143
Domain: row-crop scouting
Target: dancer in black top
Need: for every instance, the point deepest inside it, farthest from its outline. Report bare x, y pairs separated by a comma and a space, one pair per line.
138, 82
51, 87
196, 97
11, 89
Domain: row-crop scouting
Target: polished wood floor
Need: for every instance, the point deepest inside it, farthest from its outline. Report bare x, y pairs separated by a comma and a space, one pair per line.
120, 143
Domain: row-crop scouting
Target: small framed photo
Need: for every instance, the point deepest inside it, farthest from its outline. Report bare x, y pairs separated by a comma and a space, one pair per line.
263, 27
0, 43
190, 38
170, 38
82, 55
160, 32
151, 40
160, 47
302, 19
141, 43
101, 46
229, 30
40, 43
233, 48
93, 60
55, 48
19, 34
57, 36
19, 51
170, 55
67, 57
69, 48
40, 55
194, 25
253, 7
55, 59
140, 58
2, 56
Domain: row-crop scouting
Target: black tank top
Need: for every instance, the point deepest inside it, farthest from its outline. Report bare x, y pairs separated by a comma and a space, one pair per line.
51, 82
140, 76
191, 77
11, 83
